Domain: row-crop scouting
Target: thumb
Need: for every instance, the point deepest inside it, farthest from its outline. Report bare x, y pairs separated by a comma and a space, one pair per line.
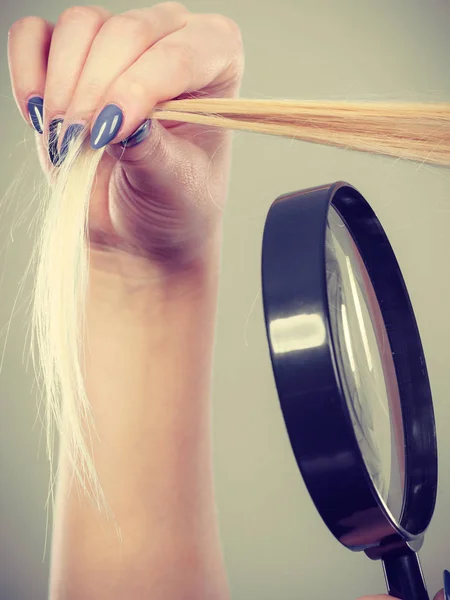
155, 158
166, 197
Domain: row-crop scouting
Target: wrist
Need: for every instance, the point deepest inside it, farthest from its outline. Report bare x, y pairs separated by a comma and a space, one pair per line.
124, 279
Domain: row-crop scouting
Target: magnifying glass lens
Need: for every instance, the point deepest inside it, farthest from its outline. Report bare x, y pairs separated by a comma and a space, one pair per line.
365, 365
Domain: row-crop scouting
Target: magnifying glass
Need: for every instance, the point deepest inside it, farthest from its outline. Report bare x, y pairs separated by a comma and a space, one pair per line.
351, 376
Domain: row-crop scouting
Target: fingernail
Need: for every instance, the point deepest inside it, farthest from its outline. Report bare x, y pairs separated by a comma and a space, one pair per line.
446, 585
72, 132
107, 126
138, 136
36, 111
53, 135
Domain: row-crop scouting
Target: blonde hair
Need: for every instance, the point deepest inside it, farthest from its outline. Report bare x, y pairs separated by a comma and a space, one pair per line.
417, 132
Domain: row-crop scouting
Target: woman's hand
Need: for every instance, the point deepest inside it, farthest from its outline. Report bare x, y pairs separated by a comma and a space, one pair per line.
148, 377
162, 196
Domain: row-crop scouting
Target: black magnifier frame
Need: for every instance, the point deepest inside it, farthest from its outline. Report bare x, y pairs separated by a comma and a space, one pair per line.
310, 386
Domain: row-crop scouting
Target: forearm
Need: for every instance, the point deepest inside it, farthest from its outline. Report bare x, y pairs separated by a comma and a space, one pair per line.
149, 362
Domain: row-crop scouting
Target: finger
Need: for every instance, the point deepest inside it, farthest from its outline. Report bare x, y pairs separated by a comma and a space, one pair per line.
135, 209
440, 595
207, 51
28, 48
72, 38
121, 41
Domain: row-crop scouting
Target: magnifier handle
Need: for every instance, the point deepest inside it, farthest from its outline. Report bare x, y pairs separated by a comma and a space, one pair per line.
404, 578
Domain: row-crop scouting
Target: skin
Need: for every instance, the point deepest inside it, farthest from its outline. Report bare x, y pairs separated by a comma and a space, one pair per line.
156, 231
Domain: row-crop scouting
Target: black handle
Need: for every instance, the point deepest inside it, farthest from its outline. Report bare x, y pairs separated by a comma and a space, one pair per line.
404, 578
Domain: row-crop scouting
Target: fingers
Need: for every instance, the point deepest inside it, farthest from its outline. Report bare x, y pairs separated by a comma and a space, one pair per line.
72, 39
202, 53
28, 48
120, 42
110, 72
46, 62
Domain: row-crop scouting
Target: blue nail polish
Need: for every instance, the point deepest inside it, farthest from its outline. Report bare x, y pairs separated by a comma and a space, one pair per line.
138, 136
72, 132
54, 129
36, 111
107, 126
446, 585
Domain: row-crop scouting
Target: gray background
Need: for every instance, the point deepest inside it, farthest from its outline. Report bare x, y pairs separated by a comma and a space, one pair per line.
275, 544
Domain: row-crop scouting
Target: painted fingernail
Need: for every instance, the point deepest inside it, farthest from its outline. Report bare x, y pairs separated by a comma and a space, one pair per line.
107, 126
138, 136
54, 130
36, 111
446, 585
72, 132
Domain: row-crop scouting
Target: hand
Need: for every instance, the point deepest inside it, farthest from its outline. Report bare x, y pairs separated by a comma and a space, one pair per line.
164, 197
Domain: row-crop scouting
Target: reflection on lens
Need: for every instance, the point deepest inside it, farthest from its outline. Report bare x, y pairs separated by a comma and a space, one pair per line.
365, 365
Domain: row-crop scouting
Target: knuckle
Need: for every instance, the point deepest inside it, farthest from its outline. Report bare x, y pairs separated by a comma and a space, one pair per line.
100, 10
174, 6
133, 88
127, 25
225, 24
26, 24
229, 29
57, 98
93, 90
75, 14
182, 55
